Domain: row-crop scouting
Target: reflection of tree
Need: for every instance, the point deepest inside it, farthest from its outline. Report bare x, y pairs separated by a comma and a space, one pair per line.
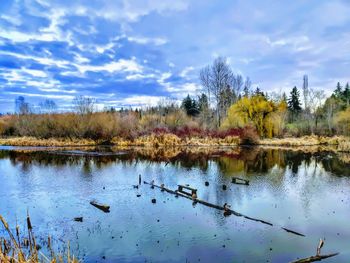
337, 164
230, 161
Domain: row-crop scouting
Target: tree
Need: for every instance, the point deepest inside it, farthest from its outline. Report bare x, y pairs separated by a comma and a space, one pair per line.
203, 104
21, 106
258, 92
48, 106
266, 116
237, 84
190, 106
84, 105
294, 104
215, 79
342, 121
346, 94
330, 106
205, 115
338, 92
227, 97
247, 87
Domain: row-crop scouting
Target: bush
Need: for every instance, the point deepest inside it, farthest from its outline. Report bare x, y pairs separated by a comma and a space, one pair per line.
249, 136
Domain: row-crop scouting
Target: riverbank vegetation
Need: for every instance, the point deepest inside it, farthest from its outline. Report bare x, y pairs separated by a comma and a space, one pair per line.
25, 248
228, 111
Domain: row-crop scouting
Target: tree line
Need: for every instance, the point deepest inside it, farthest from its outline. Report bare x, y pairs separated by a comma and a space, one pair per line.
227, 101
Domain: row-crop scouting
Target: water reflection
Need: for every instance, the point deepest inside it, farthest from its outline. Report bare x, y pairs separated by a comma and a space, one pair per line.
230, 161
305, 190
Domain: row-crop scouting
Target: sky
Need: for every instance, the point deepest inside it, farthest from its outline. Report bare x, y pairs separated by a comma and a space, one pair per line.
135, 53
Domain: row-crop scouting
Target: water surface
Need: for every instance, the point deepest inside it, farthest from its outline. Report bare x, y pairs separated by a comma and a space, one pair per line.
306, 192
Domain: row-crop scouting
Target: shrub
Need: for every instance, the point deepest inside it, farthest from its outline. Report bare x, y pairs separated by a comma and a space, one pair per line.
249, 136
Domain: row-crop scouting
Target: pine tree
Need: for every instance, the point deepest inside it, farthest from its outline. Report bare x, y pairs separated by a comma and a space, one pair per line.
338, 93
294, 104
190, 106
346, 94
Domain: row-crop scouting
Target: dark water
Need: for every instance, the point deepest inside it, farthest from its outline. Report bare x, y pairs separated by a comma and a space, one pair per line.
306, 192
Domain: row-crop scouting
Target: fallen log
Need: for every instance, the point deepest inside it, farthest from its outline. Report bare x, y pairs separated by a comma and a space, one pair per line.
104, 208
258, 220
315, 258
237, 180
293, 232
177, 193
318, 256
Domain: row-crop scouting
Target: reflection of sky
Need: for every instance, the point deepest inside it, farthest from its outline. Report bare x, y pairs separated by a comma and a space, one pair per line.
133, 53
54, 194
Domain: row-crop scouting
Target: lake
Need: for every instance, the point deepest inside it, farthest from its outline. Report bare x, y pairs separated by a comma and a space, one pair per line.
305, 191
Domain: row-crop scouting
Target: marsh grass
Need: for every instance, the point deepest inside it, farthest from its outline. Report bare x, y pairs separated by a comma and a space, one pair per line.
52, 142
17, 248
341, 143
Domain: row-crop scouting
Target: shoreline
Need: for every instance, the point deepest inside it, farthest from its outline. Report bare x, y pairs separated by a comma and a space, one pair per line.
338, 143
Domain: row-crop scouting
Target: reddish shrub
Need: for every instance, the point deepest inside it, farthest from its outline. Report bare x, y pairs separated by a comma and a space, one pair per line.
249, 136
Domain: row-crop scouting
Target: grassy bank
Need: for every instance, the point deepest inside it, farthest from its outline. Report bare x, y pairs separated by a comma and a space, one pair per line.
52, 142
153, 140
340, 143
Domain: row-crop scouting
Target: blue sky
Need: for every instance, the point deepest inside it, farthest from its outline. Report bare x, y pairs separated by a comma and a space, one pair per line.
138, 52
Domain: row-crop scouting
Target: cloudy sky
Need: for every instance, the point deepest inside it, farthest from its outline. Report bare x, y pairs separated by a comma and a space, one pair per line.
135, 52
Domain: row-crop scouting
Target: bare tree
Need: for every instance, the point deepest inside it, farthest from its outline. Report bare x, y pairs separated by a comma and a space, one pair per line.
215, 79
84, 105
237, 85
247, 87
315, 101
21, 106
48, 106
331, 107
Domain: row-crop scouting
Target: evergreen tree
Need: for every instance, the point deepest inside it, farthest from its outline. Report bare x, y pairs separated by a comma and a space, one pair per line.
346, 94
203, 103
338, 93
294, 104
190, 106
258, 92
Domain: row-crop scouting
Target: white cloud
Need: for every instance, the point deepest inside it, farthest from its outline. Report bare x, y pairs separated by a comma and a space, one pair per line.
35, 73
158, 41
122, 65
50, 96
185, 71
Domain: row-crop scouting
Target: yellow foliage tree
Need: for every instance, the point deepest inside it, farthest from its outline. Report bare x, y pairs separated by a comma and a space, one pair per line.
342, 121
265, 115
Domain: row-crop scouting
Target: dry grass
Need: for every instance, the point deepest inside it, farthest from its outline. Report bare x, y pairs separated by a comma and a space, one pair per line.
31, 141
169, 139
342, 143
25, 249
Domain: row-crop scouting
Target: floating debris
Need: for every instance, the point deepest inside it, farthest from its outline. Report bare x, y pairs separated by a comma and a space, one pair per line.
237, 180
78, 219
104, 208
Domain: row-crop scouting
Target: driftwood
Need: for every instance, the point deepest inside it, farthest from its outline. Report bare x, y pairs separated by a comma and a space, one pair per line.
227, 211
104, 208
177, 193
182, 187
318, 257
314, 258
293, 232
237, 180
